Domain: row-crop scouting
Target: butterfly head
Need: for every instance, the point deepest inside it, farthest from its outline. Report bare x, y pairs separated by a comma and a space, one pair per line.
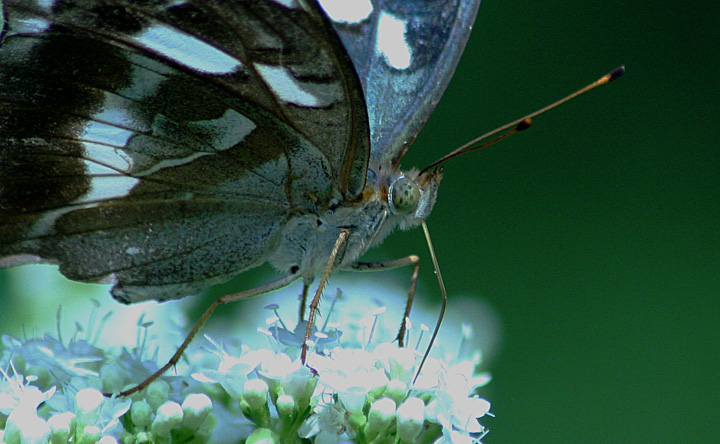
411, 196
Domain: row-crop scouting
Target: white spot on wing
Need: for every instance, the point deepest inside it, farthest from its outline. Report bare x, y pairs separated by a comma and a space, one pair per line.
103, 133
187, 50
108, 156
114, 111
101, 188
30, 25
108, 187
103, 165
170, 163
347, 11
292, 4
102, 159
46, 4
111, 157
227, 131
391, 41
290, 90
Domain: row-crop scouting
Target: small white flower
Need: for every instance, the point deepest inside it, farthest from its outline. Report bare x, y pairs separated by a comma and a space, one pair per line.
462, 408
327, 426
48, 358
111, 411
232, 372
15, 394
26, 427
398, 363
349, 373
277, 366
286, 376
455, 437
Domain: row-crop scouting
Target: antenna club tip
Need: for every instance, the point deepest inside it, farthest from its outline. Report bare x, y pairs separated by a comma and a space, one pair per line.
523, 125
616, 73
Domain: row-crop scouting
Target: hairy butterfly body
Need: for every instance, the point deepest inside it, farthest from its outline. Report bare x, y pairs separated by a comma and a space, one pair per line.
169, 145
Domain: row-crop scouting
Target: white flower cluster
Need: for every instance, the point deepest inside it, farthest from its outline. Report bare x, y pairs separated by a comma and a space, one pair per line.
53, 393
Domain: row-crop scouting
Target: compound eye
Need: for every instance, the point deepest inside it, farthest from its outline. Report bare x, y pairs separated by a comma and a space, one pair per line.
404, 196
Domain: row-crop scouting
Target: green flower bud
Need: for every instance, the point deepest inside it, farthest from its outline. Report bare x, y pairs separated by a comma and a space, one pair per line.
255, 392
141, 414
286, 406
397, 390
263, 436
88, 403
410, 418
90, 435
142, 438
62, 426
382, 412
254, 404
168, 416
107, 440
157, 393
196, 408
113, 378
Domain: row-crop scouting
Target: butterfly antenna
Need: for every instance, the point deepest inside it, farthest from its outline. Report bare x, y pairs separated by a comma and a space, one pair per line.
443, 305
522, 123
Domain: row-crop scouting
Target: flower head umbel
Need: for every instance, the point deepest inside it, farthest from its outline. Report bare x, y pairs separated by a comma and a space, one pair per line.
354, 388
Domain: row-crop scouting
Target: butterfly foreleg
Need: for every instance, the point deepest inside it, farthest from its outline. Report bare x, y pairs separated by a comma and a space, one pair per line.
390, 265
339, 244
247, 294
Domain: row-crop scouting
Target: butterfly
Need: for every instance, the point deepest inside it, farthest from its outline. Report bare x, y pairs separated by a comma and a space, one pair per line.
166, 146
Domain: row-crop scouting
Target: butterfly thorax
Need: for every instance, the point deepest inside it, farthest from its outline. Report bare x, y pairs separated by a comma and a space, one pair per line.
391, 199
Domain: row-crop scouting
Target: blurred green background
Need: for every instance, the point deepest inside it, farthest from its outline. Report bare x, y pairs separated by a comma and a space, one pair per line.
594, 235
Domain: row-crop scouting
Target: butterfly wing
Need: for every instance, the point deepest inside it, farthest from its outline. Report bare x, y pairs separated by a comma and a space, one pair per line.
405, 54
164, 144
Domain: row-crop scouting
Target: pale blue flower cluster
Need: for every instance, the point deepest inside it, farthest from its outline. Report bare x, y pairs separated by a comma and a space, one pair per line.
52, 392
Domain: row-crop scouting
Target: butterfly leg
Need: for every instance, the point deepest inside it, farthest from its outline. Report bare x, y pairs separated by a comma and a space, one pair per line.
270, 286
390, 265
339, 243
303, 301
